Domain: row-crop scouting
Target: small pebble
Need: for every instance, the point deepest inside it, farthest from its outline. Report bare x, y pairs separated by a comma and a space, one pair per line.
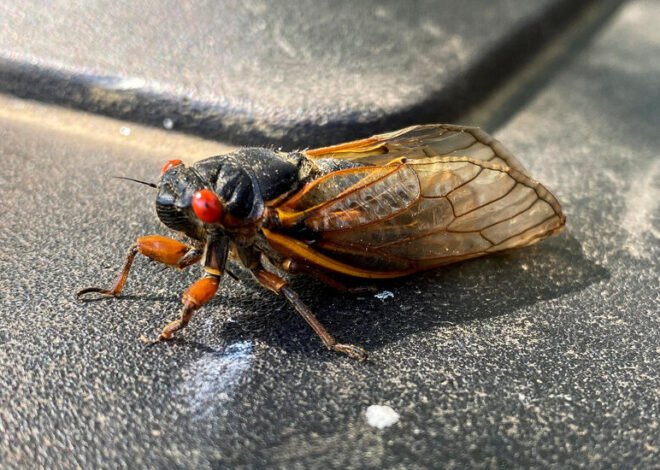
381, 416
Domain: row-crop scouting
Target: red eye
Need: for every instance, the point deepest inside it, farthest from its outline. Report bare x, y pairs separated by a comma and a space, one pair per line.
170, 164
206, 206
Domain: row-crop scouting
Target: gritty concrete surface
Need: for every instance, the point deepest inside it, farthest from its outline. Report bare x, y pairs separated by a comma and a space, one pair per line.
254, 71
545, 356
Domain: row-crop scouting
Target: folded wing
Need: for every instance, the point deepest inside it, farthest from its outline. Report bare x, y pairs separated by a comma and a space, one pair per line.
432, 195
421, 142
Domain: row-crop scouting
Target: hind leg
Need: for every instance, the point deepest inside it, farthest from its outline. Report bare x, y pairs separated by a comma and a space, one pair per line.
279, 286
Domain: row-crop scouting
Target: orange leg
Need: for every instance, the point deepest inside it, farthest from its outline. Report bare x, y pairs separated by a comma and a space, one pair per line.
193, 299
279, 286
162, 249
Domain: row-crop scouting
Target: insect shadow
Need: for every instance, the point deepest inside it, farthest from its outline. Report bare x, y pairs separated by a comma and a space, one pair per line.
472, 290
143, 298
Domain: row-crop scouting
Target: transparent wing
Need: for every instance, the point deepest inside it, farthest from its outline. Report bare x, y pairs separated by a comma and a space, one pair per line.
425, 213
351, 198
422, 142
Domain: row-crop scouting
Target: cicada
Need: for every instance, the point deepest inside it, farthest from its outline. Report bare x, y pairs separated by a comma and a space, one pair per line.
378, 208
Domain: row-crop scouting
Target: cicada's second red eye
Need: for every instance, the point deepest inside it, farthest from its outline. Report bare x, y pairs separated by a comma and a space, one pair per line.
206, 206
170, 164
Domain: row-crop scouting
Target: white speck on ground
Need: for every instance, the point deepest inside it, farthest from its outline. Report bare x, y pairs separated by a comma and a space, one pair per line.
381, 416
125, 131
384, 295
168, 123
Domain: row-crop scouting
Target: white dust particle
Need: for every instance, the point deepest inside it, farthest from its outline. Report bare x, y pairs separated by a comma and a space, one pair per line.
125, 131
168, 124
384, 295
381, 416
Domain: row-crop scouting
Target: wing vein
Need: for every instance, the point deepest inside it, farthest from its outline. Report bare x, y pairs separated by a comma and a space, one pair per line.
481, 169
526, 230
509, 191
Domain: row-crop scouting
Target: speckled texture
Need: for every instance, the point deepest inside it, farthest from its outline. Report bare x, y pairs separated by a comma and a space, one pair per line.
547, 356
253, 71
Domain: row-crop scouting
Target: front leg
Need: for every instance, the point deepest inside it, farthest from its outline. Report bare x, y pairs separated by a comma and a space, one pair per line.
162, 249
279, 286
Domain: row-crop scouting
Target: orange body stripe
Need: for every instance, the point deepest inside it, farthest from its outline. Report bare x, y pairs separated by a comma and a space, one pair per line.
297, 249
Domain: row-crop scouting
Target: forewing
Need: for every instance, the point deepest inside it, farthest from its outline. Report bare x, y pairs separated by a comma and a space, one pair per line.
429, 195
423, 142
464, 208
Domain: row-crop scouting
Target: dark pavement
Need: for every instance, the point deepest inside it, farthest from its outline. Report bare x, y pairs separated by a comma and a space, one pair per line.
541, 357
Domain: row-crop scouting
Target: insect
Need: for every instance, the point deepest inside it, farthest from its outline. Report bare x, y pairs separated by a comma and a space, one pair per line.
383, 207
